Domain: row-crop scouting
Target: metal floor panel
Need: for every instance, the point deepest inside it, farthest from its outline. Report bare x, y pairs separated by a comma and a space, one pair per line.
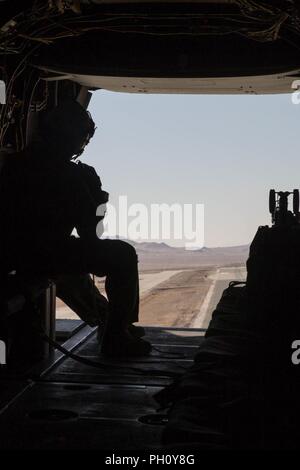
86, 417
176, 349
76, 406
10, 390
66, 328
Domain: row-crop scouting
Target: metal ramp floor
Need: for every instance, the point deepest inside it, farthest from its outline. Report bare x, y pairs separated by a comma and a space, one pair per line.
65, 404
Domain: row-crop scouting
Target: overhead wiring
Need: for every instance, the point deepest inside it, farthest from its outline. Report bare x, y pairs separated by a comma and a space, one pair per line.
252, 19
36, 28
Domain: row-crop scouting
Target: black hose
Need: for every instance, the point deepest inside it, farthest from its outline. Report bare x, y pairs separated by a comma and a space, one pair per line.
101, 365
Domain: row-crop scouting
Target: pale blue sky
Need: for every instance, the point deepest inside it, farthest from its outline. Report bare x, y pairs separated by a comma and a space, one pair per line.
223, 151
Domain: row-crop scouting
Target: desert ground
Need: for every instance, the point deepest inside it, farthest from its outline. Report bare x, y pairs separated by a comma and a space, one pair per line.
179, 288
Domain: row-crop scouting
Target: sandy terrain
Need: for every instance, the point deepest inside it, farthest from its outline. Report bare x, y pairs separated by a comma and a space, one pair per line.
220, 280
181, 298
148, 280
180, 288
177, 301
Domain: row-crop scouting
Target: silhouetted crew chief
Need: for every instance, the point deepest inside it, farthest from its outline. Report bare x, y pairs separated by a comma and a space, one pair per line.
48, 195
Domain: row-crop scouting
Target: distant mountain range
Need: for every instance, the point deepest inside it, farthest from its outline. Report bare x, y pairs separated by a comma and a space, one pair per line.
160, 255
153, 246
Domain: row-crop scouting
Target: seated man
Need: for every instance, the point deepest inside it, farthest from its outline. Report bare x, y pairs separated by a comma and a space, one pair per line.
46, 196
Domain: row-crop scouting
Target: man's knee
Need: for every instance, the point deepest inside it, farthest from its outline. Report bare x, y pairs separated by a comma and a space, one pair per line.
108, 256
125, 253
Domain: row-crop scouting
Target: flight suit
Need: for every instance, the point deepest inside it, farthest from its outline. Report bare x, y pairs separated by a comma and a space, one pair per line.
45, 199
